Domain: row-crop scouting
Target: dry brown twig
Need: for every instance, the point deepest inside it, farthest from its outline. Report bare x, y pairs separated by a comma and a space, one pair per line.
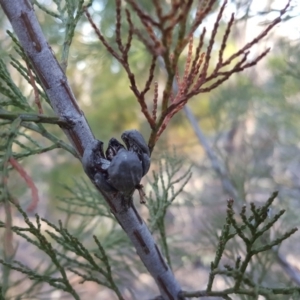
122, 57
37, 100
30, 183
165, 34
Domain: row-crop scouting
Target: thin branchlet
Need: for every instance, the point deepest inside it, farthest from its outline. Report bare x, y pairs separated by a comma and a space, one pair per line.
257, 222
158, 35
197, 77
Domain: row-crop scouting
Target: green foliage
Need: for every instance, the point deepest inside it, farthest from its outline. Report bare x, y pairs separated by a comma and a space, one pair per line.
248, 229
163, 195
71, 252
13, 100
68, 12
66, 253
67, 248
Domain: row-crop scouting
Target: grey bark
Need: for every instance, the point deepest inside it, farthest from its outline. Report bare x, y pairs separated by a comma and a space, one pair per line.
25, 24
217, 166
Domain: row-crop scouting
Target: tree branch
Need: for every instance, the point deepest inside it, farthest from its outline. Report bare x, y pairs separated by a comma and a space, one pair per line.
55, 84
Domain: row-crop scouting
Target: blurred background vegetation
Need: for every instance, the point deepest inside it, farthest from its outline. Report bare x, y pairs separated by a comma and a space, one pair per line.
251, 122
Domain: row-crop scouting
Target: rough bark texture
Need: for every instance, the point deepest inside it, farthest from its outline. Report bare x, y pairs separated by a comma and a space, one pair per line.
55, 84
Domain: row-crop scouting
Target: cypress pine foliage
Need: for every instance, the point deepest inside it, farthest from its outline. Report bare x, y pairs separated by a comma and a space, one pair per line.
91, 245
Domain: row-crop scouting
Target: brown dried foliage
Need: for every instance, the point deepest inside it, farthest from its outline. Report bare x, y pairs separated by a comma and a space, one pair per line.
165, 34
37, 100
30, 183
